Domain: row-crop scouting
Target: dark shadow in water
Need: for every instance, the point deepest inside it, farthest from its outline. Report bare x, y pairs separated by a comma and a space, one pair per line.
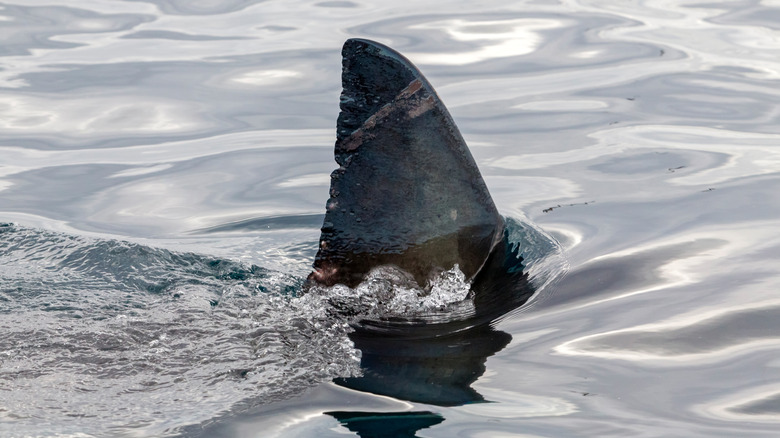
435, 359
387, 425
436, 371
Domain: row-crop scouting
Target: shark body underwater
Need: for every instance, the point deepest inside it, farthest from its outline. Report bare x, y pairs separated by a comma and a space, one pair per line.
408, 194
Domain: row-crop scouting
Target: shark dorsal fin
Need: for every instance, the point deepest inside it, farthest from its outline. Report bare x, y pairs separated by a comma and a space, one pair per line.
408, 192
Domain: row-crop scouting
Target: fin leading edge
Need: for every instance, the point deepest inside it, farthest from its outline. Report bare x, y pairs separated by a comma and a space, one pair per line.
407, 191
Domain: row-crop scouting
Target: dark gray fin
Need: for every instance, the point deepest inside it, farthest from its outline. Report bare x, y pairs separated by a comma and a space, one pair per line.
408, 192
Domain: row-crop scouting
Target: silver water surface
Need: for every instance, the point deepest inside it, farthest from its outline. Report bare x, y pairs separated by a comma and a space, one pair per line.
644, 136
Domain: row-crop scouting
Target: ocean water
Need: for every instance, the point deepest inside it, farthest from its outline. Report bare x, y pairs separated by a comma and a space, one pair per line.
163, 175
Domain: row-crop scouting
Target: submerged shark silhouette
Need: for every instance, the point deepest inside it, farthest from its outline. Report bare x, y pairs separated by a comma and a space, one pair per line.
407, 193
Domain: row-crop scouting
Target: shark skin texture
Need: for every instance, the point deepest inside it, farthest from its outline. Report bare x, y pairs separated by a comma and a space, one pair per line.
407, 191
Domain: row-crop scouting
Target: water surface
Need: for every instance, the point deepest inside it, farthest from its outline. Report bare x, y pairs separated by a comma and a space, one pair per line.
166, 163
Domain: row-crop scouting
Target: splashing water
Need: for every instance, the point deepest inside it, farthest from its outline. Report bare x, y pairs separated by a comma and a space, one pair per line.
110, 331
109, 337
390, 292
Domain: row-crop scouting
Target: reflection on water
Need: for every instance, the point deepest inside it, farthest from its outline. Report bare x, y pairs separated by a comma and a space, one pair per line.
387, 425
694, 338
761, 405
208, 127
438, 371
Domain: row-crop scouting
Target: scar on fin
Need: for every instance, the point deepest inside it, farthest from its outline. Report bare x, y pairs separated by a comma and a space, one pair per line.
409, 192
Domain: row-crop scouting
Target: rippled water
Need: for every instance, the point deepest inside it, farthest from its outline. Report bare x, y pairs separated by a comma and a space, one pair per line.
166, 163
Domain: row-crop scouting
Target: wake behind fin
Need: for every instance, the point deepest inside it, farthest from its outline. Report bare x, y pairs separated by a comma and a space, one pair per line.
407, 191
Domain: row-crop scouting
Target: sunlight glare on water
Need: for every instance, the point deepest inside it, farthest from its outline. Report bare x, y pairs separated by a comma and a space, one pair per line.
165, 163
